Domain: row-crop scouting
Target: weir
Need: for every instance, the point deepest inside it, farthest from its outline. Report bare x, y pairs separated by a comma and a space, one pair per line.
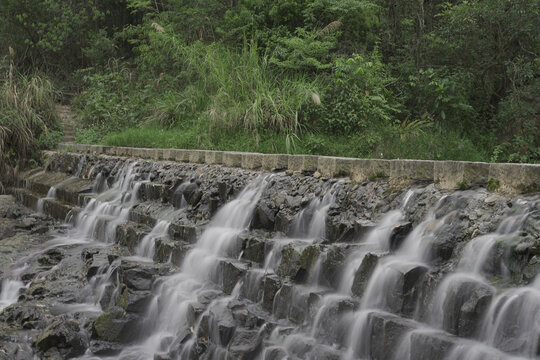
167, 260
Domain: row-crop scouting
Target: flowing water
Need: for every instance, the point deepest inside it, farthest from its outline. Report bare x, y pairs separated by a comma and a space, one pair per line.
387, 295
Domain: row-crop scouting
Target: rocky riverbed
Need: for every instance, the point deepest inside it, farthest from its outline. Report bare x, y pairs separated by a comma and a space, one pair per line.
135, 259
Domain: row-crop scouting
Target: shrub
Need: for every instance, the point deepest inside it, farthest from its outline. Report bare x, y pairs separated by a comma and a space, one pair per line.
27, 114
358, 98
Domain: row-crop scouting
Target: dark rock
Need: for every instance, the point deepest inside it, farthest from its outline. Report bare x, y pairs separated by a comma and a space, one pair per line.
386, 332
408, 287
51, 257
192, 194
65, 335
464, 307
105, 348
297, 261
135, 301
254, 250
398, 234
224, 190
331, 318
282, 301
339, 230
168, 250
245, 344
97, 265
275, 353
115, 325
428, 345
284, 221
332, 264
364, 272
136, 277
231, 273
272, 284
264, 216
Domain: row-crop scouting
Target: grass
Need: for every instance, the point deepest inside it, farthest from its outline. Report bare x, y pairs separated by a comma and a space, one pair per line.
28, 119
234, 100
389, 146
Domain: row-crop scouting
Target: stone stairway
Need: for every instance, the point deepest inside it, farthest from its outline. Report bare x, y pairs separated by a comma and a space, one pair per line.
66, 119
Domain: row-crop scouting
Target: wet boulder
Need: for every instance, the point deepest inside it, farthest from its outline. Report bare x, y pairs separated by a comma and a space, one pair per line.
98, 264
245, 344
105, 348
364, 272
217, 325
51, 257
339, 230
271, 285
408, 283
130, 235
398, 234
428, 345
115, 325
134, 301
296, 261
464, 307
284, 221
264, 216
26, 315
192, 193
275, 353
231, 272
13, 349
386, 332
135, 276
254, 250
332, 264
64, 335
322, 352
282, 301
532, 269
331, 317
168, 250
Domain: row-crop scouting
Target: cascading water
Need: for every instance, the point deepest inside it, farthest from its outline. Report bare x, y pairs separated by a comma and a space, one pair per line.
168, 314
146, 247
51, 195
395, 292
11, 287
103, 213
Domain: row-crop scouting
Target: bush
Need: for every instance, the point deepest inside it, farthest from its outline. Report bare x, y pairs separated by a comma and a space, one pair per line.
27, 117
358, 97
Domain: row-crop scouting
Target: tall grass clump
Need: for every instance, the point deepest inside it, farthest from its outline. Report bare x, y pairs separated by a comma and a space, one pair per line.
28, 118
249, 94
227, 89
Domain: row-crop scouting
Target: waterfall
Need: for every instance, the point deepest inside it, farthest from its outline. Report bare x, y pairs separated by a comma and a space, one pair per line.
51, 195
421, 278
147, 244
168, 313
11, 287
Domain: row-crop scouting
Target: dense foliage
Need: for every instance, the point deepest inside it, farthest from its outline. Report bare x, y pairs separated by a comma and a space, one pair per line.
371, 78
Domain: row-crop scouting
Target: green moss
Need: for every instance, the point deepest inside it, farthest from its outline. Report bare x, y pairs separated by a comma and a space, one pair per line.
309, 256
493, 184
123, 299
106, 328
462, 185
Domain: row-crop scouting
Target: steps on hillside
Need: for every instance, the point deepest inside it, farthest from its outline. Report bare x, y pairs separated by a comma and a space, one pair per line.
68, 125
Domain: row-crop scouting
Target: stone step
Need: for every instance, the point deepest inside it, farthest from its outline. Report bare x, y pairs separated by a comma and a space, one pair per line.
53, 208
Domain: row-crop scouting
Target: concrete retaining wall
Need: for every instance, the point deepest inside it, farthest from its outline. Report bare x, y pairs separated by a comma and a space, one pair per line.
446, 175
